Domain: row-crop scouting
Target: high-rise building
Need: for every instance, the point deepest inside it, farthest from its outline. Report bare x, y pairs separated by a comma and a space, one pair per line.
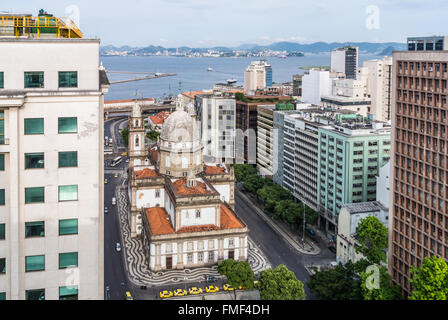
378, 87
216, 113
350, 155
257, 76
51, 161
435, 43
297, 84
419, 193
345, 60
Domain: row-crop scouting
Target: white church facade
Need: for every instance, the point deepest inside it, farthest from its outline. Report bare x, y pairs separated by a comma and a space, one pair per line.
181, 208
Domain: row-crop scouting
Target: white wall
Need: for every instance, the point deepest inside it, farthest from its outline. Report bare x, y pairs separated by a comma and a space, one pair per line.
315, 85
146, 198
188, 217
224, 191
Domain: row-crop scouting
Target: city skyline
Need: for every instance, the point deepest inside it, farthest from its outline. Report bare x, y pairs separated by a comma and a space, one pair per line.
210, 23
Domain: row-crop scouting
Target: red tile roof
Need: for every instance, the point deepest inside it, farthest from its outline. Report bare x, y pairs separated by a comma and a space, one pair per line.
180, 188
192, 94
228, 219
160, 117
214, 170
145, 173
159, 221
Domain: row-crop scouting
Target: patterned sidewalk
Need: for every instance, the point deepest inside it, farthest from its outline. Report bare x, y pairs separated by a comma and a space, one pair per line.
137, 268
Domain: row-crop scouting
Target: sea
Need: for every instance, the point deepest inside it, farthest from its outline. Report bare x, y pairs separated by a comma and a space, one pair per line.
192, 74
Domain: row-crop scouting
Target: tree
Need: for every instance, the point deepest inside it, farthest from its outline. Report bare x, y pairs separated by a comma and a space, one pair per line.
339, 283
125, 136
288, 211
243, 170
280, 284
153, 135
385, 290
371, 235
238, 273
252, 183
429, 281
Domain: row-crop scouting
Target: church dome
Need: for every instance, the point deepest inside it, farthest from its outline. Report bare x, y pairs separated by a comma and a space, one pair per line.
180, 127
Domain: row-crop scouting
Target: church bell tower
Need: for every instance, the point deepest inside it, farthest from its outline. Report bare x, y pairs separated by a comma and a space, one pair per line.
136, 145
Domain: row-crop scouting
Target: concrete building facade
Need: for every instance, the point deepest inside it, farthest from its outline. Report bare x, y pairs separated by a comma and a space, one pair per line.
51, 169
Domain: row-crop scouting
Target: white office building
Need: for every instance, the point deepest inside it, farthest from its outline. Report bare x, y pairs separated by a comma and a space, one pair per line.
315, 84
51, 167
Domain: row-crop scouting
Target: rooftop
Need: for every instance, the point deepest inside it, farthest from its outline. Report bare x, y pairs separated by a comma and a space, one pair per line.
160, 117
228, 219
362, 207
181, 188
214, 170
128, 100
45, 26
159, 221
145, 173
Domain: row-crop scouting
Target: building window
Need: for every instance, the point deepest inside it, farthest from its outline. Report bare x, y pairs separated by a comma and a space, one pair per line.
34, 229
34, 79
2, 83
211, 256
211, 244
198, 213
68, 293
68, 159
36, 294
34, 126
35, 195
68, 125
2, 127
2, 265
200, 257
169, 247
190, 246
68, 260
35, 263
2, 296
2, 197
231, 243
34, 160
167, 162
68, 226
190, 258
68, 79
68, 193
2, 231
157, 193
2, 162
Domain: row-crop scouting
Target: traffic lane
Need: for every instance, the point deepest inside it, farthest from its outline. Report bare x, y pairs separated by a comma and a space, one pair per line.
271, 243
114, 273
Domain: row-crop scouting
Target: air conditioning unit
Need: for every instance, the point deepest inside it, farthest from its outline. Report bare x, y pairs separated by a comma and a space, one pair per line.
430, 69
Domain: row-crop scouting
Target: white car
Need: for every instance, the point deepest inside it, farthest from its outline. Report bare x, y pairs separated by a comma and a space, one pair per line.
114, 201
118, 247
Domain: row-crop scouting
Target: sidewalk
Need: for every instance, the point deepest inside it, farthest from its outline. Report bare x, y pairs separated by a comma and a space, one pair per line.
309, 248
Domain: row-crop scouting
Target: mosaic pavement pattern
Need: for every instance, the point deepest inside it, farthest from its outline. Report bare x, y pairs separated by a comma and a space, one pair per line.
138, 270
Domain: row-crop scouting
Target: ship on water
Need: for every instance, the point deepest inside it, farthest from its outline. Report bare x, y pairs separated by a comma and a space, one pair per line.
232, 81
210, 69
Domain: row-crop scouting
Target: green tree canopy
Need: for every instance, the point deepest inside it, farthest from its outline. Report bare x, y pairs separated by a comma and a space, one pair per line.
384, 291
153, 135
372, 237
339, 283
252, 183
243, 170
280, 284
238, 273
429, 281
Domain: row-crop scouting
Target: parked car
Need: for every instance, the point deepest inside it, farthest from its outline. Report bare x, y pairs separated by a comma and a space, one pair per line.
180, 292
114, 201
116, 175
165, 294
129, 296
118, 247
211, 289
106, 210
105, 181
210, 279
227, 287
195, 290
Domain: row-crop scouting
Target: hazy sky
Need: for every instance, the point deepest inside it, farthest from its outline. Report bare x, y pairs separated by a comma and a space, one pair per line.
202, 23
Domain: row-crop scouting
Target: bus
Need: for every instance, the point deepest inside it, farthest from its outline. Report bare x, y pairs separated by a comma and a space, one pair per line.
116, 161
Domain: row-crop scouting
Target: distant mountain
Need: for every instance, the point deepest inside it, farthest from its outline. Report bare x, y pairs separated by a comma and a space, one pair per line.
384, 48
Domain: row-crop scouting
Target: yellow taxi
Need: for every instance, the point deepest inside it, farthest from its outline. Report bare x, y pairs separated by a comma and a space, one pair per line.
129, 296
124, 154
195, 290
211, 289
180, 292
227, 287
166, 294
